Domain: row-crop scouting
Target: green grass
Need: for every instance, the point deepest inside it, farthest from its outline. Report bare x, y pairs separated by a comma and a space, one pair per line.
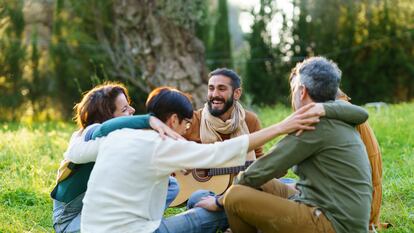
30, 155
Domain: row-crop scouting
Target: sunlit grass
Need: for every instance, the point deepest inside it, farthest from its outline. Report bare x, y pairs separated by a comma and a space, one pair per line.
30, 155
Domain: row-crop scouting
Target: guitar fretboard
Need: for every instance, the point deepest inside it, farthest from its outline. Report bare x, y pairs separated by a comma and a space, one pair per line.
228, 170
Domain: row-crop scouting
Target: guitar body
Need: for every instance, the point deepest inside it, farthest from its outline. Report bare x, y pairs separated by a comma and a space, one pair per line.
216, 180
196, 180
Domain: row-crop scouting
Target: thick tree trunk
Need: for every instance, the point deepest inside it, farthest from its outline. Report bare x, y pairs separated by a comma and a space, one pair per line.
38, 16
150, 50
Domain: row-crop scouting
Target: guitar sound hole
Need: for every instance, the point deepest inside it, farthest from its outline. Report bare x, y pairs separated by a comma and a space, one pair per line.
201, 175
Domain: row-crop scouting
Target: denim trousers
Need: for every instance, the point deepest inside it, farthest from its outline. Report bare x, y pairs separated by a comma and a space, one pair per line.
67, 216
173, 190
195, 219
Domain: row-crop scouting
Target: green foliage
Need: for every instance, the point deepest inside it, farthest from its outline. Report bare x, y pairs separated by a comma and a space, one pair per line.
78, 60
265, 77
42, 76
12, 56
30, 155
219, 52
372, 42
204, 25
204, 29
45, 81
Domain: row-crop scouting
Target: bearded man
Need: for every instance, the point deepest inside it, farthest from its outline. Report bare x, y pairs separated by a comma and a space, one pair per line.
223, 117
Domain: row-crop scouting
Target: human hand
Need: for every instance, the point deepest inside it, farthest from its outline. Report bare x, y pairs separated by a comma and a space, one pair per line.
318, 109
163, 129
208, 203
301, 120
186, 171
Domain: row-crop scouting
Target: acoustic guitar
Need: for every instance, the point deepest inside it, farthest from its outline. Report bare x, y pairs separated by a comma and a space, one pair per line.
216, 180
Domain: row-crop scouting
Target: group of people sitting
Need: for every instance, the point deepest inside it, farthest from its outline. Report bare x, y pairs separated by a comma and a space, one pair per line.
116, 175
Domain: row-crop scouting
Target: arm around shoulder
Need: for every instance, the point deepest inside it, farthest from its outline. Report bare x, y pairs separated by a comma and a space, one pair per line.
80, 151
132, 122
346, 112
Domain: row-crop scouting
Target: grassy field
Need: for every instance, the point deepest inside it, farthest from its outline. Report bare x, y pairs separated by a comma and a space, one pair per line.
30, 154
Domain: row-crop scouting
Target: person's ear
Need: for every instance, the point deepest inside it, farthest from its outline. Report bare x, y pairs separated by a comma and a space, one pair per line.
237, 93
172, 120
303, 93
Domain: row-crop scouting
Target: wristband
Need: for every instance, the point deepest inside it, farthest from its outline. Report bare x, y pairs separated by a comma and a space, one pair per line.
217, 202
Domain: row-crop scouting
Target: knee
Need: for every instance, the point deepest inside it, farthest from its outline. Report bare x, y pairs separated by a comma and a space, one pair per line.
235, 194
196, 197
173, 186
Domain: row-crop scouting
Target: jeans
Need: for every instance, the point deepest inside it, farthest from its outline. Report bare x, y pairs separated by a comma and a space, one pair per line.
67, 216
173, 189
195, 220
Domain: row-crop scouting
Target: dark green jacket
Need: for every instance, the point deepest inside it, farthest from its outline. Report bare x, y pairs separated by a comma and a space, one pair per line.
332, 165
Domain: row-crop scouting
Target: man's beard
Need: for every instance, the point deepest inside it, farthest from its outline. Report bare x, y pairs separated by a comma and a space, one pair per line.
218, 112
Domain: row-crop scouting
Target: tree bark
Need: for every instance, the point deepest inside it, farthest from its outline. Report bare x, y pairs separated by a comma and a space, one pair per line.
38, 17
150, 50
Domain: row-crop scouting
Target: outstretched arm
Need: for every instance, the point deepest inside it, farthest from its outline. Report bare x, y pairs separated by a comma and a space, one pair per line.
302, 119
135, 122
83, 150
80, 150
132, 122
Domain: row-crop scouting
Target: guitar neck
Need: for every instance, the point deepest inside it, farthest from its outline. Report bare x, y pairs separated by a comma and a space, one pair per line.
228, 170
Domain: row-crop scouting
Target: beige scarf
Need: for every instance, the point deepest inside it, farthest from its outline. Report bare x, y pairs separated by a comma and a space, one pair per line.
211, 127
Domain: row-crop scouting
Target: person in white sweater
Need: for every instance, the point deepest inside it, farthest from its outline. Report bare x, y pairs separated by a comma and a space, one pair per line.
103, 102
128, 185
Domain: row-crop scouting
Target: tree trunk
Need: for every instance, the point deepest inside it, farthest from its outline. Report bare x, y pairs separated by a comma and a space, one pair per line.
38, 17
150, 50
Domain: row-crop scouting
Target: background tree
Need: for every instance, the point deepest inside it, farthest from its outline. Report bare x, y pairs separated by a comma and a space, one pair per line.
265, 79
220, 52
12, 86
38, 16
370, 40
52, 51
152, 43
78, 60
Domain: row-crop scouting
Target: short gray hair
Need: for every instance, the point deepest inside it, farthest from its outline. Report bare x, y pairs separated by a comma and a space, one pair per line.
321, 77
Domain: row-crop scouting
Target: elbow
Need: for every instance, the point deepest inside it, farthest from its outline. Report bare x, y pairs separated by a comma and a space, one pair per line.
100, 131
364, 116
250, 181
68, 156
